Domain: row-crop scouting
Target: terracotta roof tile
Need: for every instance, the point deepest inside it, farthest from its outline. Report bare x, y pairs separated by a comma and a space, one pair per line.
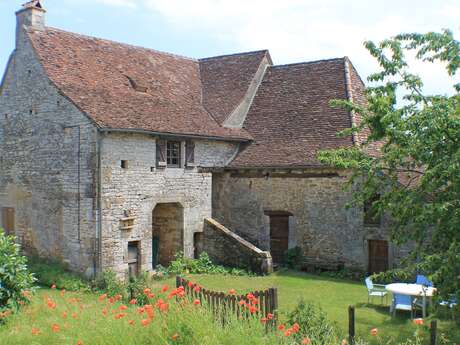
291, 119
226, 80
101, 76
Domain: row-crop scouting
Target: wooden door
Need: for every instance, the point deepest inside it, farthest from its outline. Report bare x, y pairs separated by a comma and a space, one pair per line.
133, 259
8, 220
279, 237
378, 256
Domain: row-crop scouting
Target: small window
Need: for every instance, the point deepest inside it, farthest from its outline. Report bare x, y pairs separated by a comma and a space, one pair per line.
133, 258
173, 154
124, 164
371, 216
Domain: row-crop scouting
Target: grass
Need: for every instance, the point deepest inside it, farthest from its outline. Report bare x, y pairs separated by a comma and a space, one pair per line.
334, 296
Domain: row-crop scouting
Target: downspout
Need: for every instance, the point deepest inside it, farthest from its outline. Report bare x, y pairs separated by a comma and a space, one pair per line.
98, 258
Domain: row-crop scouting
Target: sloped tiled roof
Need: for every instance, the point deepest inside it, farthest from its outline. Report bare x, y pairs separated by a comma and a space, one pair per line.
226, 80
290, 117
125, 87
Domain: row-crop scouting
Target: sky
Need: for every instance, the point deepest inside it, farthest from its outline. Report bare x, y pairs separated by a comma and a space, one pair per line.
293, 30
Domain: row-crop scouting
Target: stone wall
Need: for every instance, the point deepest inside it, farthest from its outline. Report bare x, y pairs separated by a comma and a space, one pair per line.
329, 234
136, 190
47, 167
226, 248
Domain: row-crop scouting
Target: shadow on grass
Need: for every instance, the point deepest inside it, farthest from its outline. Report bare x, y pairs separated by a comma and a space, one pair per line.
313, 276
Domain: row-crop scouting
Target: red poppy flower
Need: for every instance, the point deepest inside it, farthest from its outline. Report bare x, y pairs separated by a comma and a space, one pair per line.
197, 288
118, 297
53, 286
64, 315
165, 288
145, 322
232, 292
306, 341
62, 292
104, 311
131, 322
79, 342
140, 310
102, 297
55, 328
151, 295
241, 302
281, 327
270, 316
264, 320
196, 302
74, 315
190, 284
374, 332
35, 331
133, 301
344, 342
122, 307
175, 336
147, 291
51, 304
418, 321
120, 315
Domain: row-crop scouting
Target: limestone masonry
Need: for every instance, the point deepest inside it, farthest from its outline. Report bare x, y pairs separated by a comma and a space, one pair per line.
118, 157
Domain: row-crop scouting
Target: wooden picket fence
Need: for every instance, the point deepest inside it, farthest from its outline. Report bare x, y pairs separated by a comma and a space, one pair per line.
222, 304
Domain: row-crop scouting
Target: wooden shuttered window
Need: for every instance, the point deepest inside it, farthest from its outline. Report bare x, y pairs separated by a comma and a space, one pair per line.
161, 153
189, 153
8, 220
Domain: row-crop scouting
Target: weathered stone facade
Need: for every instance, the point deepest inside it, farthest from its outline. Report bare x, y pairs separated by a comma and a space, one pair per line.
47, 167
329, 234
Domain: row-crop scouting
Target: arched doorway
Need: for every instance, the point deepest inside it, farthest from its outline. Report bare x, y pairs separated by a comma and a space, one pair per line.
167, 232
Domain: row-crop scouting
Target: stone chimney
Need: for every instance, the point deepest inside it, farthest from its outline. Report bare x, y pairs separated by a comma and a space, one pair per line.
31, 15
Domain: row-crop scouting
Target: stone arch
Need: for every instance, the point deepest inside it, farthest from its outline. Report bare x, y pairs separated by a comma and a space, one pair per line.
167, 232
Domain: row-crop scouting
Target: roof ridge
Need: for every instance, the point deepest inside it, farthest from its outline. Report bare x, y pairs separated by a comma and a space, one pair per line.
234, 54
49, 28
307, 62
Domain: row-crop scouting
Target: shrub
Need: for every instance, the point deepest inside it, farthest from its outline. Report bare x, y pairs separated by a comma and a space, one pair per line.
49, 272
293, 258
314, 322
202, 265
15, 278
109, 283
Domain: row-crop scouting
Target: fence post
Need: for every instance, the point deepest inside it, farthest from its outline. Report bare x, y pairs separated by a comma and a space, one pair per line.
433, 331
351, 325
178, 281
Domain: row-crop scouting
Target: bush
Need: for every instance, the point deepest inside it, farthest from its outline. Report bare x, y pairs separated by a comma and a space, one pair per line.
15, 278
50, 272
313, 321
108, 282
202, 265
293, 258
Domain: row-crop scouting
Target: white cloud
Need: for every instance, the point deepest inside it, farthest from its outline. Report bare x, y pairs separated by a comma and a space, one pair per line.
300, 30
121, 3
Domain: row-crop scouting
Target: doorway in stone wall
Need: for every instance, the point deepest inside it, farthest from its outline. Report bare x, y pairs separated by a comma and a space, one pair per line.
378, 256
167, 232
279, 235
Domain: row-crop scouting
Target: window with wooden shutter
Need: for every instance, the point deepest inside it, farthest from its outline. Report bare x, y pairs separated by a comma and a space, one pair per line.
8, 220
161, 153
190, 153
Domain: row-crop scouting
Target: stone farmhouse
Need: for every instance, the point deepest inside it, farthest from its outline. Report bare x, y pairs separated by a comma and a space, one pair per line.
116, 156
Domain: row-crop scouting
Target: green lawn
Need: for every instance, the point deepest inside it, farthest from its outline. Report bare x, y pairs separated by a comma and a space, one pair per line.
333, 295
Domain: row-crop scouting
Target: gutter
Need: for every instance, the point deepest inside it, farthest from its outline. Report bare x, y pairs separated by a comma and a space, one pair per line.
172, 135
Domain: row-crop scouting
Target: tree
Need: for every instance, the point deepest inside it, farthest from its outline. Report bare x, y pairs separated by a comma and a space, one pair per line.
417, 169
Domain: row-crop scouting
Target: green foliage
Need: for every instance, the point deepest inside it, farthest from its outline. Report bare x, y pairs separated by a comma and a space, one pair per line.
15, 277
109, 283
314, 322
293, 258
49, 272
417, 171
202, 265
136, 286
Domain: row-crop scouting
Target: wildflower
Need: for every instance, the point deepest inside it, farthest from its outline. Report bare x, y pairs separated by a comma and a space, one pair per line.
35, 331
140, 310
122, 307
295, 327
145, 322
79, 342
118, 297
131, 322
175, 336
281, 327
64, 315
418, 321
133, 301
306, 341
190, 284
264, 320
288, 332
252, 309
270, 316
53, 286
104, 311
232, 292
51, 304
197, 289
62, 292
374, 332
102, 297
196, 302
120, 316
55, 328
250, 296
26, 294
111, 300
165, 288
344, 342
74, 315
147, 291
241, 302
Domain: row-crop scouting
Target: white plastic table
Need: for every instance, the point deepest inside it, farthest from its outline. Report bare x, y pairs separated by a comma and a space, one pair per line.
414, 290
